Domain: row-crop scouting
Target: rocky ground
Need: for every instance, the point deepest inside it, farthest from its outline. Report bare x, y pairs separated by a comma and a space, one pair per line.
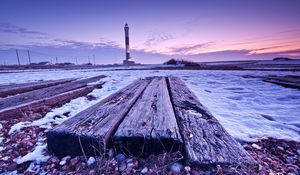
274, 157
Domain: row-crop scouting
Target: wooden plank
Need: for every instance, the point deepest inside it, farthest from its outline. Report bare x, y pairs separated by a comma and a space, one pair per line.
89, 131
45, 105
150, 126
8, 90
38, 94
206, 141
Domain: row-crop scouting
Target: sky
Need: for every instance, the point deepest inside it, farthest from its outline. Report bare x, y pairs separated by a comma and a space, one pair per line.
212, 30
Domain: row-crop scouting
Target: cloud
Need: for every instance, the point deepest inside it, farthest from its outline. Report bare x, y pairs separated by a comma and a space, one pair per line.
9, 28
189, 49
155, 38
88, 45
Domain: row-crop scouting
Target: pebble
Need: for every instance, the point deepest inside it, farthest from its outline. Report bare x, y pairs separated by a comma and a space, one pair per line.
122, 167
64, 160
91, 161
92, 172
187, 168
120, 157
74, 161
281, 148
129, 160
290, 160
144, 170
298, 151
129, 165
256, 146
176, 167
13, 166
110, 153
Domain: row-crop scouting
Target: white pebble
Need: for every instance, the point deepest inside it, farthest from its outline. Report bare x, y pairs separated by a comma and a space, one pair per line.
64, 160
176, 167
91, 161
144, 170
256, 146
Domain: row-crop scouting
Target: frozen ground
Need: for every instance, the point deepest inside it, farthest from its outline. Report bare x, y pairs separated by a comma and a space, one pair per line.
247, 108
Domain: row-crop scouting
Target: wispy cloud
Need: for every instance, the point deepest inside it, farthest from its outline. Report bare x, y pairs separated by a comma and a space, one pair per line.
10, 28
42, 39
156, 38
189, 49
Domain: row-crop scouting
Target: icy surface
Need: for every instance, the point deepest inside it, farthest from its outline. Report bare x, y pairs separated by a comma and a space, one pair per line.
36, 155
248, 108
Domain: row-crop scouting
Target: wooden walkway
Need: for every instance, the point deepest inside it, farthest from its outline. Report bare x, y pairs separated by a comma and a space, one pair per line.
149, 116
42, 96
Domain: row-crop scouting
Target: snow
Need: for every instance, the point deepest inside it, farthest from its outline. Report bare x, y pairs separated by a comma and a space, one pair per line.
17, 127
248, 108
36, 155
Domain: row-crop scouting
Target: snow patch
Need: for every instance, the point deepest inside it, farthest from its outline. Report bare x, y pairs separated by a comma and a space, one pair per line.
36, 155
17, 127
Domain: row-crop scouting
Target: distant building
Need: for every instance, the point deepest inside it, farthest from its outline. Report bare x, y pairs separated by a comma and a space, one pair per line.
128, 60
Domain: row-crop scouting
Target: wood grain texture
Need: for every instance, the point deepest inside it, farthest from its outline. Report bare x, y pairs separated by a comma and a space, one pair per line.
48, 92
89, 132
9, 90
206, 141
42, 106
150, 126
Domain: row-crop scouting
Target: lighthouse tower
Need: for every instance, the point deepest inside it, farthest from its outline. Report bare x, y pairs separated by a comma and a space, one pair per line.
128, 60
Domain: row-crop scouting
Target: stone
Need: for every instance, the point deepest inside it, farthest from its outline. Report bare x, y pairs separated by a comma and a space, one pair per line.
110, 153
255, 146
298, 151
54, 160
290, 160
13, 166
92, 172
129, 160
120, 157
129, 165
91, 161
74, 161
144, 170
122, 167
187, 168
176, 167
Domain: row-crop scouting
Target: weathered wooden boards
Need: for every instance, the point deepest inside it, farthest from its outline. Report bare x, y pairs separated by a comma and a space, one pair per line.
8, 90
206, 141
149, 116
150, 126
34, 101
89, 131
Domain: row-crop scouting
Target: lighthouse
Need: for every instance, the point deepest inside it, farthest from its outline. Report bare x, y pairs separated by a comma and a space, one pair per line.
128, 60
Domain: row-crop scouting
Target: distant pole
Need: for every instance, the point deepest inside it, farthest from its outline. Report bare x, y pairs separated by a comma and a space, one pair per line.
18, 57
94, 60
76, 61
89, 60
29, 59
56, 60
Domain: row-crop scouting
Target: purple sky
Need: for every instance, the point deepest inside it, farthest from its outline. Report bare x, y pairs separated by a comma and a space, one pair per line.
196, 30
